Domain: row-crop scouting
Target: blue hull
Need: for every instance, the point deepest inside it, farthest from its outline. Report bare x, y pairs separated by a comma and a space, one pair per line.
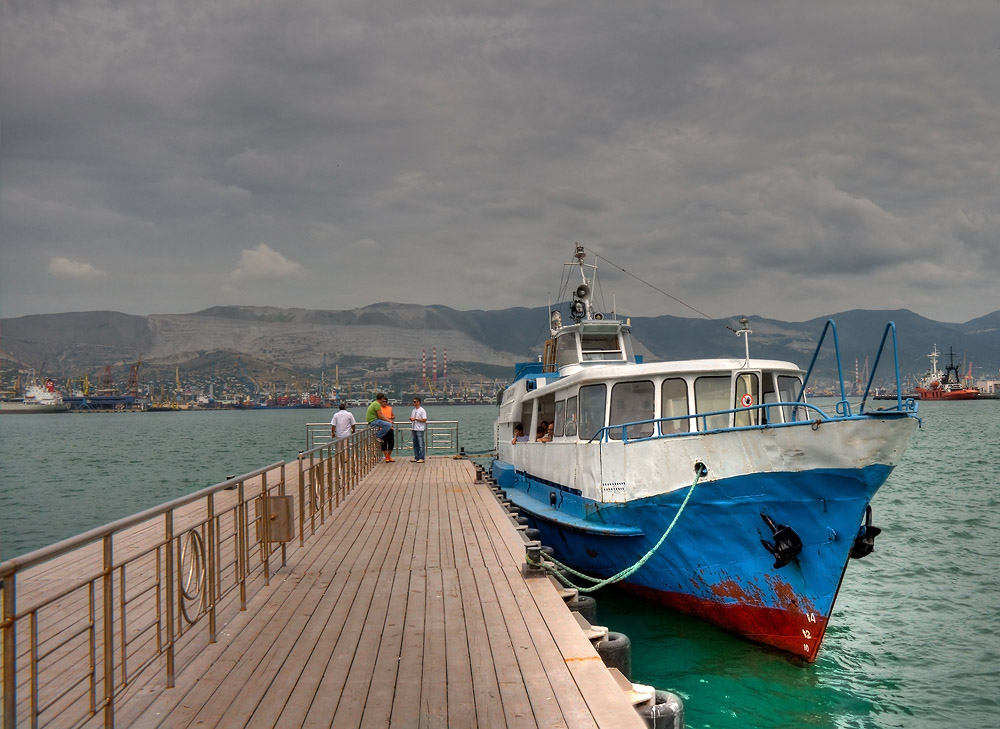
713, 564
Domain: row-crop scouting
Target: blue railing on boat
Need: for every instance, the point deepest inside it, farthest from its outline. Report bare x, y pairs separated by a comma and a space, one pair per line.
911, 405
843, 406
769, 421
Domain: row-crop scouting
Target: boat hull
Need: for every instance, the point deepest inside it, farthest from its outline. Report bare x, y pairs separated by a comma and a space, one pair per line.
964, 393
713, 564
23, 407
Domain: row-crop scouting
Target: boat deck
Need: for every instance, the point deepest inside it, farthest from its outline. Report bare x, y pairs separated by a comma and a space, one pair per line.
407, 608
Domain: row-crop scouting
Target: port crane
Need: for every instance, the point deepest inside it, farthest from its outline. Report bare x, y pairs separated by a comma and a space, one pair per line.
134, 374
78, 384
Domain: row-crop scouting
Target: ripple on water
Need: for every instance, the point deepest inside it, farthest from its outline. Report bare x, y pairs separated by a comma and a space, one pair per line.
915, 638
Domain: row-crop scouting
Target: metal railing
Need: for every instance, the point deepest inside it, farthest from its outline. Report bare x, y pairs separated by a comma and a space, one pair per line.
794, 413
328, 471
441, 436
134, 593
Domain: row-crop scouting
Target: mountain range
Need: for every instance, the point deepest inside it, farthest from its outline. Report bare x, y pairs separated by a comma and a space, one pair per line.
389, 341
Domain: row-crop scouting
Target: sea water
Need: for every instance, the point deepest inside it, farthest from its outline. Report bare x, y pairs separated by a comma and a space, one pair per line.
914, 640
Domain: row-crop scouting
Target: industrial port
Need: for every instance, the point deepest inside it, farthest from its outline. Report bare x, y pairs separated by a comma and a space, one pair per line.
237, 384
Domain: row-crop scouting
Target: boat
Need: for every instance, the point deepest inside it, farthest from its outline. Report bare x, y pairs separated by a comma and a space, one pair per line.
37, 399
936, 385
709, 486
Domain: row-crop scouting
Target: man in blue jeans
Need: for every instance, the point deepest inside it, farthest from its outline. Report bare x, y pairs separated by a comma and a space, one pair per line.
373, 418
418, 419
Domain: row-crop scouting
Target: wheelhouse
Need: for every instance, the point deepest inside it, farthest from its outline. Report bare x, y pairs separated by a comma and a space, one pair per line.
591, 343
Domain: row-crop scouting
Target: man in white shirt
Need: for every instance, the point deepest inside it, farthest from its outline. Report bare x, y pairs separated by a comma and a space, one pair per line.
343, 422
418, 418
342, 425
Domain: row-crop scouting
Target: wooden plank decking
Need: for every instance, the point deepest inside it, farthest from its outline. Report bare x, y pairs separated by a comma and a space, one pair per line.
407, 608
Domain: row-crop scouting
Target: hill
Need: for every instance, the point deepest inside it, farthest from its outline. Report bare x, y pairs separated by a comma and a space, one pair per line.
387, 342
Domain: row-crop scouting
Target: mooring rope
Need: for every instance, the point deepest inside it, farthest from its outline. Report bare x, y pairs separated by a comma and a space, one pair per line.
548, 562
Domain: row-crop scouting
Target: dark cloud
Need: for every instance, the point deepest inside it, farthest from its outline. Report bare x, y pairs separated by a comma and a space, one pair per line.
774, 157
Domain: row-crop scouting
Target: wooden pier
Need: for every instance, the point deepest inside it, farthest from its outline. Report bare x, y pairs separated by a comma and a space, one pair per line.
407, 607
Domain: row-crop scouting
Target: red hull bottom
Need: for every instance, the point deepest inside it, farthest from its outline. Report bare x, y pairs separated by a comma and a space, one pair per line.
791, 631
947, 394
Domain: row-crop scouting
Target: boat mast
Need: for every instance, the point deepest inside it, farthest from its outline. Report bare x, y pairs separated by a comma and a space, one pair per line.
745, 332
934, 360
582, 308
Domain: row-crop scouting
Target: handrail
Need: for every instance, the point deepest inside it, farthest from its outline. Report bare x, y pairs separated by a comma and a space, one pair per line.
910, 404
843, 407
143, 583
603, 435
43, 554
442, 436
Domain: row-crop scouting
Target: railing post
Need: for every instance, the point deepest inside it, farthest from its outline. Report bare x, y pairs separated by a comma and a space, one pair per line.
168, 549
9, 652
211, 568
331, 451
357, 455
108, 579
350, 463
302, 505
265, 528
281, 492
243, 546
337, 455
312, 487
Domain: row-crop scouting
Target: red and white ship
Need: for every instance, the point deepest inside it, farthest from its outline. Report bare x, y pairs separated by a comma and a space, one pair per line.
936, 385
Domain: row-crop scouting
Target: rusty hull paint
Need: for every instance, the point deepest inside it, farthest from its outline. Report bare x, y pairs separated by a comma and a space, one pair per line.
788, 629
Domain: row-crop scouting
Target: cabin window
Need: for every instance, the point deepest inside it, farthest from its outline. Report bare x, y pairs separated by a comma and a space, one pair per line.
712, 394
632, 401
571, 416
527, 413
600, 346
592, 405
566, 350
788, 391
674, 404
546, 413
747, 398
560, 418
768, 395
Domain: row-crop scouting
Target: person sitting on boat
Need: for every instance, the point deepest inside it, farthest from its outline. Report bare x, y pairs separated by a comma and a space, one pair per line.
547, 435
542, 434
519, 436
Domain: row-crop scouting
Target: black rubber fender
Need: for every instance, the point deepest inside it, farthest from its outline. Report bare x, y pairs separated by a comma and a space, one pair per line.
532, 534
616, 652
666, 711
585, 605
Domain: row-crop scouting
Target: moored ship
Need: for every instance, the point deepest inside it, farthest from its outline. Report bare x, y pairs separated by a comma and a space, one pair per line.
710, 486
37, 399
936, 385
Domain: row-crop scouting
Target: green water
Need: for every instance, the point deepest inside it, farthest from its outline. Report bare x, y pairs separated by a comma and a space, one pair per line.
914, 641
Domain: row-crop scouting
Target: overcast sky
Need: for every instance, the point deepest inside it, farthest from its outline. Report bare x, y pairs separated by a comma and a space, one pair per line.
782, 158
